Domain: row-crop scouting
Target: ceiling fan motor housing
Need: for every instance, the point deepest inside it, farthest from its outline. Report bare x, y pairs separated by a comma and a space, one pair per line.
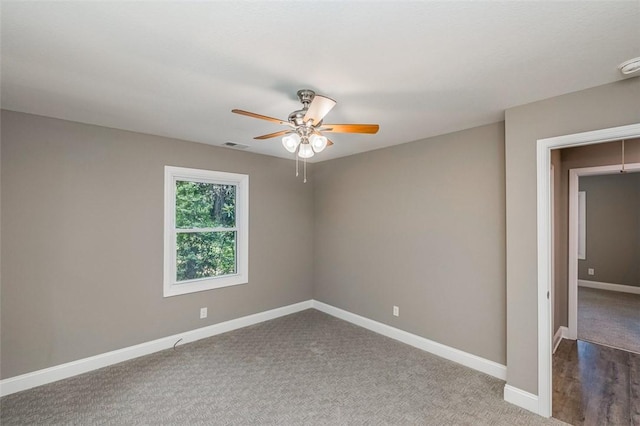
297, 117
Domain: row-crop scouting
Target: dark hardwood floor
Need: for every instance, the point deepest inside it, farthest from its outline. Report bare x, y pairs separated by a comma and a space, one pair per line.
595, 385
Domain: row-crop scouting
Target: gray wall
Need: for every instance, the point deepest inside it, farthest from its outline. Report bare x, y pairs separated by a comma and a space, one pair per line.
601, 107
613, 229
574, 158
435, 246
420, 226
82, 240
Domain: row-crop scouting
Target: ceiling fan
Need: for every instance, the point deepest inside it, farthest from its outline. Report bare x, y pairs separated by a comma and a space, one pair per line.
306, 125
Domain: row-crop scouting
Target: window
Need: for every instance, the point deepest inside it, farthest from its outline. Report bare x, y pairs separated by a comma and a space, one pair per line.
206, 225
582, 225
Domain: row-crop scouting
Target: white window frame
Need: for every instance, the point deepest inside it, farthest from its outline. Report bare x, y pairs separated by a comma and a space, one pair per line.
582, 225
241, 181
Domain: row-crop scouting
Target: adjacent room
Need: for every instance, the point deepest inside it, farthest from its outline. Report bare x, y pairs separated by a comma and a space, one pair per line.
610, 315
596, 297
297, 212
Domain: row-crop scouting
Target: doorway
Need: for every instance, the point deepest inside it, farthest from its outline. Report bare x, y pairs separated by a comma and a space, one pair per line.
545, 238
576, 240
592, 369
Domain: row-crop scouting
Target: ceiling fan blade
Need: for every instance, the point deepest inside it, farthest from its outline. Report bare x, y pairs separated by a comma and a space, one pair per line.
320, 106
274, 135
350, 128
329, 142
260, 116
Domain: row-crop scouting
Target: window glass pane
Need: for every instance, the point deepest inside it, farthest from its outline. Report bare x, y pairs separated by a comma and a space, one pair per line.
205, 205
205, 255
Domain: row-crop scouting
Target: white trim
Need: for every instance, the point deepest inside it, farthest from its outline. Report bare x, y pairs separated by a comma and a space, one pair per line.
241, 181
573, 243
544, 286
611, 287
562, 333
543, 158
468, 360
574, 233
552, 219
195, 230
63, 371
521, 398
557, 338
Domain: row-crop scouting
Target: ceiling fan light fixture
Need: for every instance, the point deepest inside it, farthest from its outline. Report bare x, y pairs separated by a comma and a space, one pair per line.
318, 142
305, 150
291, 142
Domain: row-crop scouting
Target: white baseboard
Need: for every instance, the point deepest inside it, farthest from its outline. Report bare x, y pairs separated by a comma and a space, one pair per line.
63, 371
562, 333
469, 360
611, 287
521, 398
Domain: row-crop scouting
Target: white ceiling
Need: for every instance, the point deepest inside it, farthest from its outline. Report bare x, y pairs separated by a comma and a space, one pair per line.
418, 69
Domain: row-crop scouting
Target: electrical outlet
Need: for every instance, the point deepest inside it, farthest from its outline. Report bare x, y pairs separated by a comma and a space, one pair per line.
396, 311
590, 271
203, 313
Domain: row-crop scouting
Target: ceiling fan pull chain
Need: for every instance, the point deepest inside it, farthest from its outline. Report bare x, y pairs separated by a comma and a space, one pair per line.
305, 170
297, 164
623, 170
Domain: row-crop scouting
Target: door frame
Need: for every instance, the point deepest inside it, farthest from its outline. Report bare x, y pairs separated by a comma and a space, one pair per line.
552, 226
544, 241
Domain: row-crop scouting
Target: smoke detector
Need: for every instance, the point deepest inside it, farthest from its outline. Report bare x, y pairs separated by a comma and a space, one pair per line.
630, 67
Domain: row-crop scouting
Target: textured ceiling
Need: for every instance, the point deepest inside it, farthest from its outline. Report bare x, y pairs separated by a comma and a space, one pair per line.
418, 69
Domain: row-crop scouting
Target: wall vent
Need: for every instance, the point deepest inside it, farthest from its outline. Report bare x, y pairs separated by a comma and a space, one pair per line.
235, 145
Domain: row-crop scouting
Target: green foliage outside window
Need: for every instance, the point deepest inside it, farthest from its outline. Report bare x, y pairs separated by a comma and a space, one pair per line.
204, 254
205, 205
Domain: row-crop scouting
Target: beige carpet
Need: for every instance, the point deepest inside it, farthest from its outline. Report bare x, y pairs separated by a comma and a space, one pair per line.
609, 318
303, 369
